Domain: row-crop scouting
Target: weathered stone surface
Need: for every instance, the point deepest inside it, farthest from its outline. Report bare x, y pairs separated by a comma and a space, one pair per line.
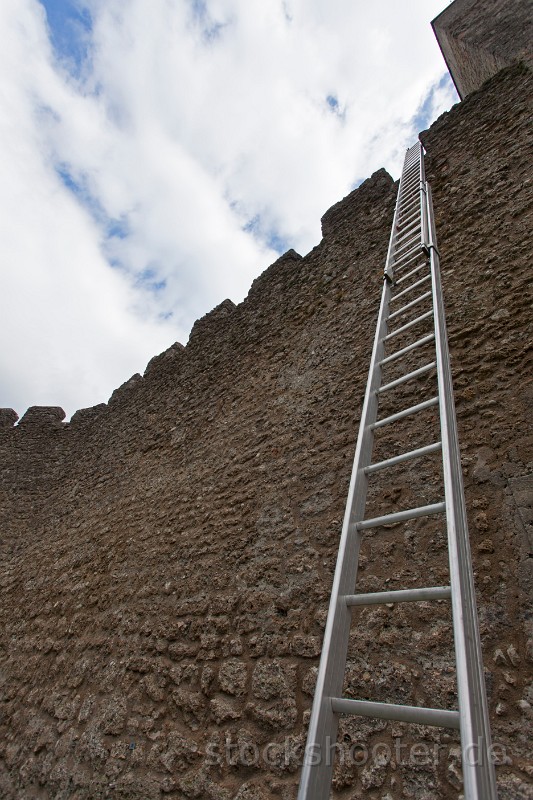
232, 677
166, 559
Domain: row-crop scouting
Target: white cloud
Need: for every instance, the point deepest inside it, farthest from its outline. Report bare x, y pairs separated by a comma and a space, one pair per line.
191, 121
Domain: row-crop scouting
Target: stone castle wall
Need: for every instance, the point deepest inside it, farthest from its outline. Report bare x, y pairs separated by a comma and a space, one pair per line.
166, 558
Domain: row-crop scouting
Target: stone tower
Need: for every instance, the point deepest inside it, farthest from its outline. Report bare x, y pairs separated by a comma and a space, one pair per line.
480, 37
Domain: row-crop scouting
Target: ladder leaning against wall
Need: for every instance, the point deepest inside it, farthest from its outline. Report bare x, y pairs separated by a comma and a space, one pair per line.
411, 271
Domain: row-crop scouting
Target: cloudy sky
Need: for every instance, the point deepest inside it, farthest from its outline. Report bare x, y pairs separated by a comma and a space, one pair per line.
157, 155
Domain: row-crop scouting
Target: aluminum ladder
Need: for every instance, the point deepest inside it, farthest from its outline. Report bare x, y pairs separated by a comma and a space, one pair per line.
412, 267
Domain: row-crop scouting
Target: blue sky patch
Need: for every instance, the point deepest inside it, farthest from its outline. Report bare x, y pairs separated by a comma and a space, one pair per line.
335, 107
210, 28
270, 237
78, 185
148, 279
70, 25
112, 228
277, 242
253, 225
118, 229
424, 115
68, 180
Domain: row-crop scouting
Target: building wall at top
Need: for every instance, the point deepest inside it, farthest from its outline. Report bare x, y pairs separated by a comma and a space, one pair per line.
480, 37
166, 558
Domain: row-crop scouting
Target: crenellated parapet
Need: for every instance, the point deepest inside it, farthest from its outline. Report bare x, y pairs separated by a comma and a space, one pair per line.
283, 272
169, 358
37, 417
205, 327
87, 416
360, 203
8, 417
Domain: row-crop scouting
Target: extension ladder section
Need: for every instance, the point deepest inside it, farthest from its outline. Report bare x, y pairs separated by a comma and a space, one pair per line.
412, 280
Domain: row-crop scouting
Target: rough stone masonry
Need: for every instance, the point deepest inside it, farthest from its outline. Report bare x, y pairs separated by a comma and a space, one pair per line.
166, 558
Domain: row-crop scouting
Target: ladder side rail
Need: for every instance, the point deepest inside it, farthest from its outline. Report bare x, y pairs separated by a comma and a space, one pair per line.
315, 781
415, 183
397, 212
424, 204
478, 769
317, 770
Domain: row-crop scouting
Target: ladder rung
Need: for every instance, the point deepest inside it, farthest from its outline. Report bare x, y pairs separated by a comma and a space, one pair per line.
419, 259
406, 240
407, 377
414, 223
400, 265
406, 307
410, 186
406, 220
410, 288
402, 234
404, 350
408, 196
411, 273
401, 516
414, 231
419, 249
410, 173
410, 190
406, 207
403, 218
390, 462
411, 165
401, 199
405, 413
402, 227
408, 325
399, 596
420, 716
410, 180
412, 245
